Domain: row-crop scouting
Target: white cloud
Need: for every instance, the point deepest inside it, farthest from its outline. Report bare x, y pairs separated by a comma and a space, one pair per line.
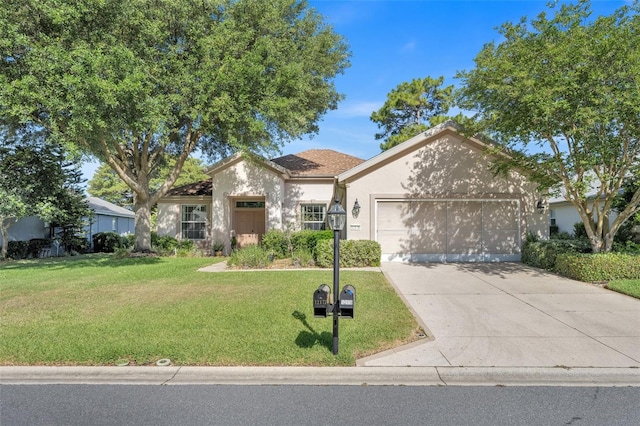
409, 47
358, 109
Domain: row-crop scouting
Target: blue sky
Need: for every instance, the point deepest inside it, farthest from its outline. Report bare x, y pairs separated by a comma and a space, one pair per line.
393, 41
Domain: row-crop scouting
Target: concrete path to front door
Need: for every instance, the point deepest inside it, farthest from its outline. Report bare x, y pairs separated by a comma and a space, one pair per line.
510, 315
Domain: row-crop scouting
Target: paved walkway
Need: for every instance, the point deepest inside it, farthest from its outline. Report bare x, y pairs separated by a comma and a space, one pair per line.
510, 315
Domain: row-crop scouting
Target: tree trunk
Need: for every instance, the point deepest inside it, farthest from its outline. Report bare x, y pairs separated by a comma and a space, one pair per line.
4, 232
142, 209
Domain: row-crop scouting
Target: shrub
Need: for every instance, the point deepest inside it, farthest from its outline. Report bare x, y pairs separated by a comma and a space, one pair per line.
302, 259
17, 249
598, 267
275, 242
283, 244
250, 257
107, 242
543, 254
579, 230
353, 253
35, 245
165, 243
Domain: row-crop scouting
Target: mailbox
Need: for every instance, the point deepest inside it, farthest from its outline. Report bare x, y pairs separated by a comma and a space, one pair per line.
347, 301
322, 301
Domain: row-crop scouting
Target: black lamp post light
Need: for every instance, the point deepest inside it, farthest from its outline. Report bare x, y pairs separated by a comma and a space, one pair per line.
341, 304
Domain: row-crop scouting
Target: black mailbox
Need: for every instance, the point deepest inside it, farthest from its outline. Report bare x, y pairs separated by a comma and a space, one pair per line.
322, 301
347, 301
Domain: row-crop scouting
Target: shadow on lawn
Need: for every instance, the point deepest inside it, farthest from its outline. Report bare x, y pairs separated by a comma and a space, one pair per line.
308, 339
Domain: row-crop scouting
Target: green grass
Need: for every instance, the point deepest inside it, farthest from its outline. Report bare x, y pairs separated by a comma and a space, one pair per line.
97, 310
630, 287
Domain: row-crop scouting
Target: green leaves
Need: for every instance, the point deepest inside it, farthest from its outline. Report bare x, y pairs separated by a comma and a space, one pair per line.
569, 86
409, 109
128, 82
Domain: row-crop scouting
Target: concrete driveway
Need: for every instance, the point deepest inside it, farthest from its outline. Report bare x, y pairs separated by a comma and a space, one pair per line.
510, 315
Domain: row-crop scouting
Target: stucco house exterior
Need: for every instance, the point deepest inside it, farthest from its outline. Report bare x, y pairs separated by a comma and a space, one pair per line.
431, 198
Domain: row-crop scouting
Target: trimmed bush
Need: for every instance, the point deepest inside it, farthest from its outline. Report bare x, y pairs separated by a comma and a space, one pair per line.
353, 253
543, 254
274, 241
17, 249
277, 242
598, 267
107, 242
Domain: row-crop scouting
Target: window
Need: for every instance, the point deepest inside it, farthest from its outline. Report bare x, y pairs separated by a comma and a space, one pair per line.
194, 222
249, 204
552, 217
313, 216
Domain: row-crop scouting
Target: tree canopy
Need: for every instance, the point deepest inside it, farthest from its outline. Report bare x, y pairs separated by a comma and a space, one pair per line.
132, 82
412, 107
561, 93
106, 183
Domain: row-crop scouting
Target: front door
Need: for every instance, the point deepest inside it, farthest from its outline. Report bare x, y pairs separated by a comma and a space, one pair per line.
249, 222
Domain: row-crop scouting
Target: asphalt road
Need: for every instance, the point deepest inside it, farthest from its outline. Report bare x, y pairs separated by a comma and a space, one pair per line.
316, 405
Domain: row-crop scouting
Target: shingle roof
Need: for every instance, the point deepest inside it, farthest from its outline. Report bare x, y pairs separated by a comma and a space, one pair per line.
204, 187
317, 162
100, 206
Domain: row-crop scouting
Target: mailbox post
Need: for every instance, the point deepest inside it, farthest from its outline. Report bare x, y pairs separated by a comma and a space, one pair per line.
336, 217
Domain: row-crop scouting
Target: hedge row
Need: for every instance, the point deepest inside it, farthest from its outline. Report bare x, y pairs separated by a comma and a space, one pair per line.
598, 267
26, 249
282, 245
543, 254
353, 253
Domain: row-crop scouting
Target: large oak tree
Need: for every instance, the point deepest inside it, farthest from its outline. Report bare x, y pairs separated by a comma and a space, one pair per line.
130, 82
567, 86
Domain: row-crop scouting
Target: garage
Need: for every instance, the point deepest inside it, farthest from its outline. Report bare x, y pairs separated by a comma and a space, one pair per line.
439, 230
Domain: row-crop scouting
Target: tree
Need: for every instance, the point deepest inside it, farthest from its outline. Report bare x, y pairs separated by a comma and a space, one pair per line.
32, 181
410, 109
106, 183
568, 87
133, 82
72, 211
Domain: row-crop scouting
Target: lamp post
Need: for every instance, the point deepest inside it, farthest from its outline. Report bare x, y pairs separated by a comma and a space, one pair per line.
336, 217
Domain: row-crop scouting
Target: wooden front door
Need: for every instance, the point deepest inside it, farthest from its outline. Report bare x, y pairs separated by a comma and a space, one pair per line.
249, 226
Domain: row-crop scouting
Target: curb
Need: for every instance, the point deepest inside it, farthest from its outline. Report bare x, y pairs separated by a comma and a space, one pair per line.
323, 376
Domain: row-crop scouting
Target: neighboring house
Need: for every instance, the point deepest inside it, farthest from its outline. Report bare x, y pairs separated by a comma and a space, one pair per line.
431, 198
107, 217
564, 215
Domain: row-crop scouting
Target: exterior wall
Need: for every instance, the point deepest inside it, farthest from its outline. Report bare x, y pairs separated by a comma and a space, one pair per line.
566, 215
27, 228
304, 192
243, 179
446, 167
169, 217
108, 223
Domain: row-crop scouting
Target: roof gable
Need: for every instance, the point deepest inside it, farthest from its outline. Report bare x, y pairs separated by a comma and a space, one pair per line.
409, 145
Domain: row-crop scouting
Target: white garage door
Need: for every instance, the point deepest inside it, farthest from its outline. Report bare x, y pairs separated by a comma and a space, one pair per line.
448, 230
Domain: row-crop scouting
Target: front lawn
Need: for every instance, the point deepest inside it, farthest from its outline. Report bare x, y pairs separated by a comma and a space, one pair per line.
630, 287
99, 310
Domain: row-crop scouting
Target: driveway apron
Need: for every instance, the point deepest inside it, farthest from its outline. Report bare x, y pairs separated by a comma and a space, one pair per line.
510, 315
